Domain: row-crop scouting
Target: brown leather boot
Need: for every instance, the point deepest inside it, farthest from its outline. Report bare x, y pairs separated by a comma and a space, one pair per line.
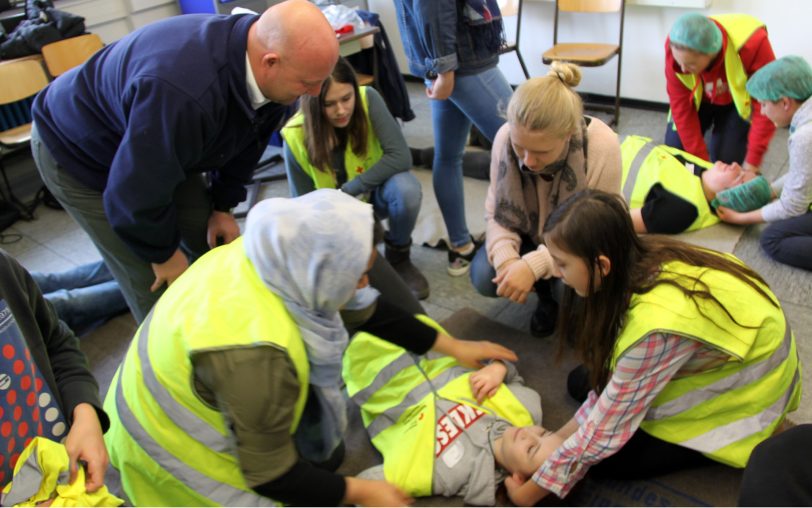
398, 257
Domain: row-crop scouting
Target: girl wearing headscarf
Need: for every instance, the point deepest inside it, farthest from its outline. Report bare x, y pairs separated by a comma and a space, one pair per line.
230, 392
547, 151
783, 88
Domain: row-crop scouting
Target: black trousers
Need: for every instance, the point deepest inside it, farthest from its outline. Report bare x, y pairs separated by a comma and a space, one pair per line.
779, 472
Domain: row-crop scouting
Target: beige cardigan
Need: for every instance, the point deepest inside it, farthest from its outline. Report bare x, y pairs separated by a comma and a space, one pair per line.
603, 173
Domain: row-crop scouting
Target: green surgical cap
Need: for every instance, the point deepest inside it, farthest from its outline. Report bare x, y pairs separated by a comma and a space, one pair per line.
746, 196
789, 76
696, 32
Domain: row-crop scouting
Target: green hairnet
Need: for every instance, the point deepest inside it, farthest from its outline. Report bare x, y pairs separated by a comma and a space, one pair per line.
789, 76
745, 197
696, 32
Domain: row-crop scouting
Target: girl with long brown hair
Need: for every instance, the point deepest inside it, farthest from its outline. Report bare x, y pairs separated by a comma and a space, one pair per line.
687, 353
345, 138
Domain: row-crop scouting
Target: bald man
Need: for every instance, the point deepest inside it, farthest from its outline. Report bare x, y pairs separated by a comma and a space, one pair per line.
149, 144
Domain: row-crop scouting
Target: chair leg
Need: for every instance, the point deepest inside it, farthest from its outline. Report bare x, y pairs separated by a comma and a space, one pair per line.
617, 95
521, 62
26, 211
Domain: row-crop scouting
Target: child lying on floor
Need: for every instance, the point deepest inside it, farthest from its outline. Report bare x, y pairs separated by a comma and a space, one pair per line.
444, 429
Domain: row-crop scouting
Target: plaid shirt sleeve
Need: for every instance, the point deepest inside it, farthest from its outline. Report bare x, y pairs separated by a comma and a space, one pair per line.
608, 421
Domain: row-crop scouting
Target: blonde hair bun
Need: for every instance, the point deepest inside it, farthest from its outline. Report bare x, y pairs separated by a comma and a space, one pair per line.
568, 73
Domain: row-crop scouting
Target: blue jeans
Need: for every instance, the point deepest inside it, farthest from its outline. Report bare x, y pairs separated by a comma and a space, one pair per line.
83, 296
398, 199
728, 142
482, 274
480, 99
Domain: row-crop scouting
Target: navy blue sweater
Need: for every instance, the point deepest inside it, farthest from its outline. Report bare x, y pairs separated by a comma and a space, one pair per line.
143, 114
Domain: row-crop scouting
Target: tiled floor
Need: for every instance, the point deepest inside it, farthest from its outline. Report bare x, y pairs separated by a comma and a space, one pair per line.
54, 242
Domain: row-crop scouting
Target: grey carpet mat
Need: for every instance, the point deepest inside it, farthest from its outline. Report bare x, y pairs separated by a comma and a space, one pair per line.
707, 486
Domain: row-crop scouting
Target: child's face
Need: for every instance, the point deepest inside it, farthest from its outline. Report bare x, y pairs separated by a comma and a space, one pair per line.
691, 62
339, 104
777, 111
572, 270
524, 449
723, 176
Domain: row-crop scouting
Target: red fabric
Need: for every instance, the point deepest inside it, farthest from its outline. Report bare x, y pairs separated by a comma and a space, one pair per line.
346, 29
756, 53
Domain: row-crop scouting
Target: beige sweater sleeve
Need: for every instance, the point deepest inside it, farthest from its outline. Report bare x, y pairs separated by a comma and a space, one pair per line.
501, 243
603, 173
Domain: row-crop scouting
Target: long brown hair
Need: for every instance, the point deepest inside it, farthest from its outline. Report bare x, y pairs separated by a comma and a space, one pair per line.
594, 223
320, 135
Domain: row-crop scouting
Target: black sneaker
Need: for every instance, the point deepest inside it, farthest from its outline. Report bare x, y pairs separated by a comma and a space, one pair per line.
543, 321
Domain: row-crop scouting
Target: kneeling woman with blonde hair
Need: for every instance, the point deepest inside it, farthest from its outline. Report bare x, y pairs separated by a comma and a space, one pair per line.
547, 151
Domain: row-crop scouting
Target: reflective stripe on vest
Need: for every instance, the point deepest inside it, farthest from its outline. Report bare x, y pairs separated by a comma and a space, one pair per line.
739, 29
218, 492
634, 169
725, 435
747, 375
415, 395
354, 165
653, 164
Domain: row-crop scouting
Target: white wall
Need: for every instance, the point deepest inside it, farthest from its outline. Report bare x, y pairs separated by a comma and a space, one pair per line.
644, 39
113, 19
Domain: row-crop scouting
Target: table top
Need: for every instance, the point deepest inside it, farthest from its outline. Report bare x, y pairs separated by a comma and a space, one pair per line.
357, 34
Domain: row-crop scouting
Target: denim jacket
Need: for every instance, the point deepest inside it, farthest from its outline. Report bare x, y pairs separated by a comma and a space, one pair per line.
437, 38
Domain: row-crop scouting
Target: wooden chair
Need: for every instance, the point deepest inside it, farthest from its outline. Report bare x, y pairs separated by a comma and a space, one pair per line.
589, 54
514, 8
61, 56
21, 79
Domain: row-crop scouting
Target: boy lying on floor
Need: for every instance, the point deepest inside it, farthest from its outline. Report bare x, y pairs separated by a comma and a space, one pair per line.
670, 191
461, 433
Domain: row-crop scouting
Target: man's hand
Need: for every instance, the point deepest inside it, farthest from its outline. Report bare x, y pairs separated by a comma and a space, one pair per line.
487, 380
373, 493
85, 442
222, 229
523, 492
169, 270
442, 87
515, 281
471, 353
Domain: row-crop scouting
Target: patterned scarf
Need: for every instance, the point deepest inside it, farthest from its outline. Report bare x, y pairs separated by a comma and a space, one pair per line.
517, 198
311, 251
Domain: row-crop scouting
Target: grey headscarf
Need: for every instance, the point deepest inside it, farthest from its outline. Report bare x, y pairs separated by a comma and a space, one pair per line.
311, 251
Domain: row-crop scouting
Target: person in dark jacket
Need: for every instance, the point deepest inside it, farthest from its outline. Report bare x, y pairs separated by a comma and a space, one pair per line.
124, 140
46, 388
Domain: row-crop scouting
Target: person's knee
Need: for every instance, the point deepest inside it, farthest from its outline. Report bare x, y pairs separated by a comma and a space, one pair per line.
771, 239
482, 274
411, 194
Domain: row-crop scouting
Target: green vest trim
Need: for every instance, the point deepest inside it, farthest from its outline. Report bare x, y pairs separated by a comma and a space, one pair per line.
161, 429
396, 392
646, 164
724, 412
355, 164
739, 28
